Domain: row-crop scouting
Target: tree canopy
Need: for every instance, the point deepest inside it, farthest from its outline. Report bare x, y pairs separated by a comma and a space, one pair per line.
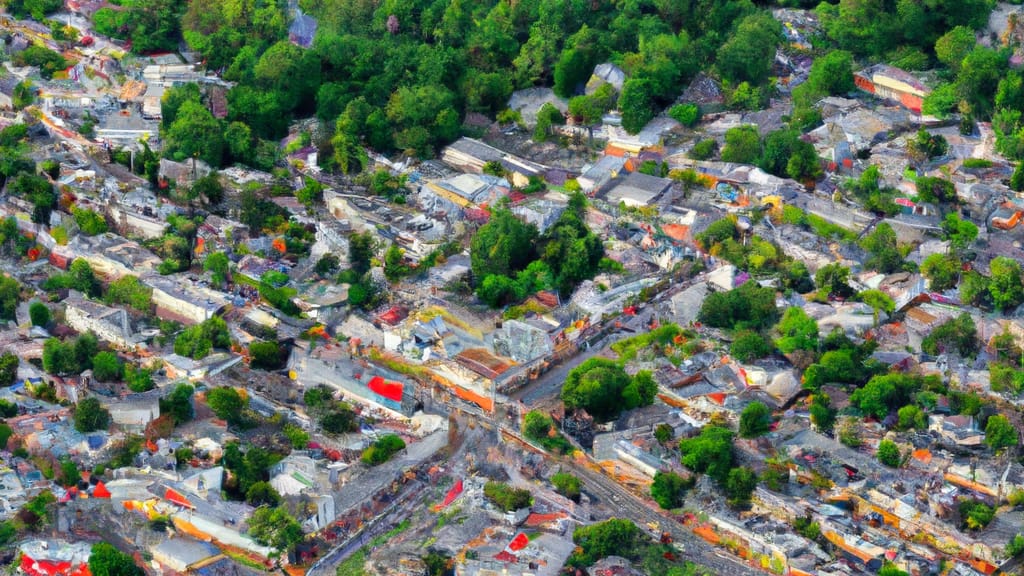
602, 388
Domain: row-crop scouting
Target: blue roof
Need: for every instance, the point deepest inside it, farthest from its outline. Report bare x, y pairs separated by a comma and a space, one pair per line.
95, 441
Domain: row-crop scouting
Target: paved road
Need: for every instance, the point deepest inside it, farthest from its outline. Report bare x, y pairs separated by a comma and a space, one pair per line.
641, 513
401, 509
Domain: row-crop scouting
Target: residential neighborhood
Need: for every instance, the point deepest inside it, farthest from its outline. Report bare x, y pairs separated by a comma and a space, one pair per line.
521, 288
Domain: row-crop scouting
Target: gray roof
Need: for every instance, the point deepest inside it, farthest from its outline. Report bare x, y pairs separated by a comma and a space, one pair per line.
639, 187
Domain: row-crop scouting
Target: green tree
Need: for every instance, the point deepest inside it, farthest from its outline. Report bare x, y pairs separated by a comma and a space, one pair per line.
503, 246
267, 356
747, 56
89, 221
106, 560
195, 133
226, 403
710, 452
360, 252
602, 388
823, 416
217, 265
129, 291
1000, 433
941, 270
739, 486
748, 345
975, 515
664, 433
889, 454
669, 489
262, 493
685, 114
505, 497
960, 233
834, 280
755, 420
275, 527
953, 46
612, 537
10, 295
106, 367
8, 368
69, 474
797, 331
39, 314
178, 403
959, 335
832, 73
138, 379
91, 416
1005, 286
742, 145
883, 250
547, 117
878, 301
567, 485
199, 340
636, 104
910, 416
1014, 547
297, 437
382, 450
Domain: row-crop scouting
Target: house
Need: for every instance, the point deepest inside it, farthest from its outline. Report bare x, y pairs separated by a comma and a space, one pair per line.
1007, 216
111, 256
183, 554
134, 412
470, 155
109, 324
469, 190
639, 189
522, 341
600, 173
302, 30
961, 430
194, 370
606, 73
294, 474
891, 83
54, 558
335, 368
178, 300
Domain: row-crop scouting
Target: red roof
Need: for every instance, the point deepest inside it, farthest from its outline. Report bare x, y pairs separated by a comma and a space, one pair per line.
100, 491
51, 568
505, 556
717, 397
177, 498
454, 493
390, 390
393, 316
519, 542
536, 519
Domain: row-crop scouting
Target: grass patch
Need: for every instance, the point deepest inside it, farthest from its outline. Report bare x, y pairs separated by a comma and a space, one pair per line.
245, 560
629, 348
432, 312
817, 224
354, 565
401, 527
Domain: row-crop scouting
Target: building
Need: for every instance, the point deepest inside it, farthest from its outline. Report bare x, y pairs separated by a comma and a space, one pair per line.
183, 554
193, 370
600, 173
469, 190
177, 300
470, 155
134, 412
892, 83
111, 256
639, 189
109, 324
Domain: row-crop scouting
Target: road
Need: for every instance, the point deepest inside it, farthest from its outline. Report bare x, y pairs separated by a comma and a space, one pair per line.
641, 513
399, 510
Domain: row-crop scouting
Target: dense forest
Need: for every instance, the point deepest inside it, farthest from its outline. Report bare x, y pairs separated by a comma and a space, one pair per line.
401, 75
